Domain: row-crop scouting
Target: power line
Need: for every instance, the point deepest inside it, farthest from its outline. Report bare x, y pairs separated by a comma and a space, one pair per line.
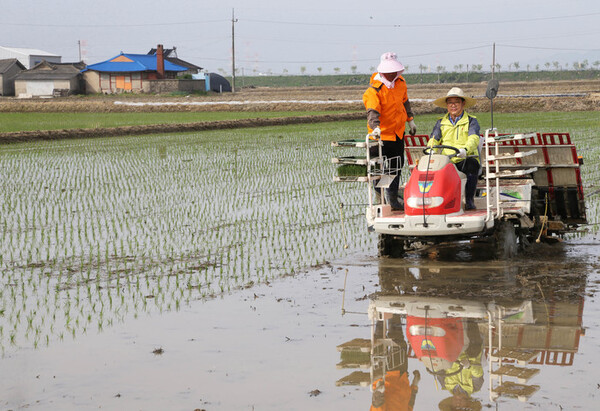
469, 23
125, 25
177, 23
546, 48
247, 61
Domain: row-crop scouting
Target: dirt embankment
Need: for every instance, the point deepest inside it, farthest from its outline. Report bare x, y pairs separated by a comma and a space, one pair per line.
25, 136
512, 97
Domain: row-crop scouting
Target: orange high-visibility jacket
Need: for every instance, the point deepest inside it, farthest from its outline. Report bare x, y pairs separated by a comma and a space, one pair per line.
399, 394
390, 105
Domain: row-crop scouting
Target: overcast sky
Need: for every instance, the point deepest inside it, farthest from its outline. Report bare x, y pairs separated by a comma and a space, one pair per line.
278, 35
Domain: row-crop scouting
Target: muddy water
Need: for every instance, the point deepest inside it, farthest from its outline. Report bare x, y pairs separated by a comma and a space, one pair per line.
274, 346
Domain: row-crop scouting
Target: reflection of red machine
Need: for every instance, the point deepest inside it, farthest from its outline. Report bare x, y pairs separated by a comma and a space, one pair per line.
437, 342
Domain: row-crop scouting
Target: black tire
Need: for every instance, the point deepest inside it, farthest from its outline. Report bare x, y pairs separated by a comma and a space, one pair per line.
505, 240
390, 246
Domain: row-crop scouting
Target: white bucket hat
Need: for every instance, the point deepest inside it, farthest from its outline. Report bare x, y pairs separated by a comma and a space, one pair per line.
455, 92
389, 64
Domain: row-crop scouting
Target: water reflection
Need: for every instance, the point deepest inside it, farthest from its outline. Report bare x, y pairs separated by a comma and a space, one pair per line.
483, 332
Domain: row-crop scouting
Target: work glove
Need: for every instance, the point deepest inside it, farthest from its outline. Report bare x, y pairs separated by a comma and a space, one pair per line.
462, 153
413, 127
378, 399
416, 377
376, 132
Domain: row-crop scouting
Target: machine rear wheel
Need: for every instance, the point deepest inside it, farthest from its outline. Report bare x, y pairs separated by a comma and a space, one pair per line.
505, 240
390, 246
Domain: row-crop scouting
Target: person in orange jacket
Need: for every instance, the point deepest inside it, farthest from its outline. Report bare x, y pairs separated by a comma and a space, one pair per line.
388, 112
397, 393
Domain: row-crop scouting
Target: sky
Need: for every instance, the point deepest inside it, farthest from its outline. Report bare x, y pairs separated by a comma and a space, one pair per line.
313, 36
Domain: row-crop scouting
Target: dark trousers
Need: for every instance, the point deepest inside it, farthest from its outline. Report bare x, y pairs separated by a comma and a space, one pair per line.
391, 149
468, 166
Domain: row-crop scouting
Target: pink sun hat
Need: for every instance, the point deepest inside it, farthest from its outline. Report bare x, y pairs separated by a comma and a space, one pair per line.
389, 64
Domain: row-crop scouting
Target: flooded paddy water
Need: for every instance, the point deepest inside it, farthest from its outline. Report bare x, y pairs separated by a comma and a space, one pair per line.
212, 271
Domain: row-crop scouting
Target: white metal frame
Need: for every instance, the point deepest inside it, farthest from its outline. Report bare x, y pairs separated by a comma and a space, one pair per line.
495, 211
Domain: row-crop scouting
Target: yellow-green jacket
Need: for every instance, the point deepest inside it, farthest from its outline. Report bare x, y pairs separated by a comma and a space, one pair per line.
468, 380
463, 134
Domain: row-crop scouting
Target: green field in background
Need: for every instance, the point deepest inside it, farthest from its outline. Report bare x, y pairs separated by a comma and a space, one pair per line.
538, 121
57, 121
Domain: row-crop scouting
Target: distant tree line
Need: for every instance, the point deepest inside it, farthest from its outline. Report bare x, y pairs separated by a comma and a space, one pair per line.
440, 70
440, 76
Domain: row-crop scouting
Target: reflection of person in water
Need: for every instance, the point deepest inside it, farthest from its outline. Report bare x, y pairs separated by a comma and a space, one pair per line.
397, 393
465, 376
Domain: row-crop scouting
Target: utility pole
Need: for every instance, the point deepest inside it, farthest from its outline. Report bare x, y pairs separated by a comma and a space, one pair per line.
233, 21
493, 60
79, 46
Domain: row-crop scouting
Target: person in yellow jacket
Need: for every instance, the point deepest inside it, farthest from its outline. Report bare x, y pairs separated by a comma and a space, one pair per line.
388, 112
459, 129
465, 377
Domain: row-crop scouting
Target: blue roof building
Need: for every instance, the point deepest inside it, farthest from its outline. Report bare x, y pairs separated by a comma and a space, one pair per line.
132, 63
129, 72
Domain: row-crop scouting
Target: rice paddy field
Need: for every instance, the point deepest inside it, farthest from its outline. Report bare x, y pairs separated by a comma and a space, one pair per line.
111, 232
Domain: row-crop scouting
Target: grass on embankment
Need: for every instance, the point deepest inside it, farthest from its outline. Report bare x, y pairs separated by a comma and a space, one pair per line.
57, 121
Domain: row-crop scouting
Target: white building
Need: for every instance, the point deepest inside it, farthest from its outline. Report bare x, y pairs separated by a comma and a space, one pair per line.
28, 57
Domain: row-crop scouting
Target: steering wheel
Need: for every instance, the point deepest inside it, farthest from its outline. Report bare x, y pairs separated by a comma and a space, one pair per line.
427, 150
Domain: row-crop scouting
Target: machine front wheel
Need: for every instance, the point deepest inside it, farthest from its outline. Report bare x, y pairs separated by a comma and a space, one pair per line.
505, 240
390, 246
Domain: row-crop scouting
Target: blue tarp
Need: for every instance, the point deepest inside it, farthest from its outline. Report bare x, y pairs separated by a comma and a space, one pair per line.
131, 63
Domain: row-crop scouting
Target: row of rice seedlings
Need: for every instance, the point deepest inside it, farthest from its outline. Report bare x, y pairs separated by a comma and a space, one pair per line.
111, 219
586, 141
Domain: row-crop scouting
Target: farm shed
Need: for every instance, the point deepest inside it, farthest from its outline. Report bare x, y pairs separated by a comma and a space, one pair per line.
217, 83
9, 68
28, 57
50, 79
132, 73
